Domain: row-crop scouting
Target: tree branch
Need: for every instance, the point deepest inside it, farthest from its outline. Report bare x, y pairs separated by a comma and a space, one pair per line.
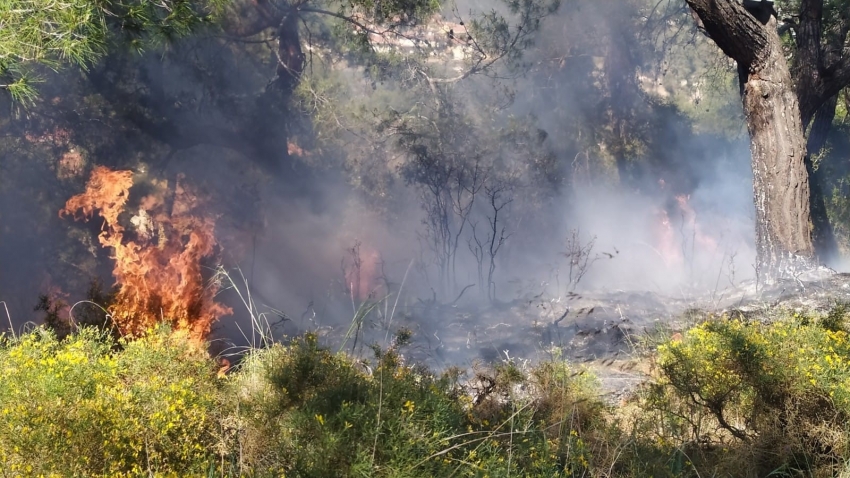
786, 26
339, 16
734, 29
835, 79
248, 21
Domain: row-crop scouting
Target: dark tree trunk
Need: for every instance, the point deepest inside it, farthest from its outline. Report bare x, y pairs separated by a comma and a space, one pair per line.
821, 70
823, 236
271, 128
623, 90
777, 140
290, 57
809, 71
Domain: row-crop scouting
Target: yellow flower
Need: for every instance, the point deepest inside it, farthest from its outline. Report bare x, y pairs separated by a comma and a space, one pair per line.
320, 419
409, 406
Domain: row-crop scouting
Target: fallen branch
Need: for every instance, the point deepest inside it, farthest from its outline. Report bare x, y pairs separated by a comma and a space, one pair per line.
461, 294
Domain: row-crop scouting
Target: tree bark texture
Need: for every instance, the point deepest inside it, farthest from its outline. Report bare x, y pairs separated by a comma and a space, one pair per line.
823, 236
780, 179
821, 66
817, 70
777, 139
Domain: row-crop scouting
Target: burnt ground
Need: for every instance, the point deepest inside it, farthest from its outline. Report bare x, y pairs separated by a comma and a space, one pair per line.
599, 329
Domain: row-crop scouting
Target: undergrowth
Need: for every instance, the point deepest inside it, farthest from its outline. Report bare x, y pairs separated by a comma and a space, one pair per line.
732, 397
92, 406
752, 398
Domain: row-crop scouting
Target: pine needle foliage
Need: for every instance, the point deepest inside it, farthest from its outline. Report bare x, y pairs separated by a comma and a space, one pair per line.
37, 34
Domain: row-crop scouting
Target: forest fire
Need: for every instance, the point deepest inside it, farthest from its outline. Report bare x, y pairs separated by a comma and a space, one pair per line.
679, 236
293, 149
157, 268
665, 238
364, 278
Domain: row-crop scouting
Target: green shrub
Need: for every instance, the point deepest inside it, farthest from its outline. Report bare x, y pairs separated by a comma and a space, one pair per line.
89, 405
308, 412
76, 407
731, 398
753, 398
305, 411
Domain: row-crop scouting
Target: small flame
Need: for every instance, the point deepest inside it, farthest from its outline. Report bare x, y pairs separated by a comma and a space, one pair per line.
665, 237
293, 149
686, 238
363, 273
158, 273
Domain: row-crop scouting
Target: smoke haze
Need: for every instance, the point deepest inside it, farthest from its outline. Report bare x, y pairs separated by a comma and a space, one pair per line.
676, 219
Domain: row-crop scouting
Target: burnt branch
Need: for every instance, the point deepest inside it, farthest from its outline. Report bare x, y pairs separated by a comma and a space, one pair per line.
499, 198
580, 256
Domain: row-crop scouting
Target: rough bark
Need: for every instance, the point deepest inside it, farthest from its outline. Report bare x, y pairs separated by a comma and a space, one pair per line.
808, 60
823, 236
777, 139
821, 67
819, 51
780, 179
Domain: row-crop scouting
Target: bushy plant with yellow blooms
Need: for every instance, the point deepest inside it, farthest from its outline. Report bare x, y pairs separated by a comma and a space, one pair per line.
778, 392
91, 406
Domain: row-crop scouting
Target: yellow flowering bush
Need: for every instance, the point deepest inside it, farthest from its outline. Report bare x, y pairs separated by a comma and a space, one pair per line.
306, 411
730, 397
90, 406
782, 388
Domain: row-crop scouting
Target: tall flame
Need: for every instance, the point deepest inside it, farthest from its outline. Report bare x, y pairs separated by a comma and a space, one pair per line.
158, 271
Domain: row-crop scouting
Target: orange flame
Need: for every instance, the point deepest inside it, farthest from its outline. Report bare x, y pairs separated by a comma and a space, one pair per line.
293, 149
159, 273
665, 238
671, 245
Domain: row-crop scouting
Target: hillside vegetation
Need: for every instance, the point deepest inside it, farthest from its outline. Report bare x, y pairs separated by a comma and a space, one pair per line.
732, 396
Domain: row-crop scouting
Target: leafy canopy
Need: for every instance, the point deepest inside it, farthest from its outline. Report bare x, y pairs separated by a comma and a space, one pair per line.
54, 33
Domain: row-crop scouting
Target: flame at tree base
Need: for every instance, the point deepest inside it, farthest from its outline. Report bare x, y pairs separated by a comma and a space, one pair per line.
157, 266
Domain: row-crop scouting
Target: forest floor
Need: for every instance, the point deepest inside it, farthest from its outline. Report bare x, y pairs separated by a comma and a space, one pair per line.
609, 332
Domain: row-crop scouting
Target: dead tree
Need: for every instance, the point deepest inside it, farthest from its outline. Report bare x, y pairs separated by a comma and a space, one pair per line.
449, 183
580, 256
499, 197
476, 247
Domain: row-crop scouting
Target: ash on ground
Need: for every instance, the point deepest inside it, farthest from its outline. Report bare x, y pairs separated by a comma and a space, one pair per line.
605, 331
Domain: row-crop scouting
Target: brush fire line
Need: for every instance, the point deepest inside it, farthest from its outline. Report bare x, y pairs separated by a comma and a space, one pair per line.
157, 266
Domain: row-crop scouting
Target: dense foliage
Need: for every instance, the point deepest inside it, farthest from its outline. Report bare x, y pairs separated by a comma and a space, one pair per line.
487, 125
79, 33
731, 396
90, 406
774, 391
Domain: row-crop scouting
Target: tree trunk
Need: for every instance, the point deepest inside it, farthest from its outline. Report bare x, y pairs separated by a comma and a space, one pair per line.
290, 57
780, 180
623, 91
777, 140
823, 236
